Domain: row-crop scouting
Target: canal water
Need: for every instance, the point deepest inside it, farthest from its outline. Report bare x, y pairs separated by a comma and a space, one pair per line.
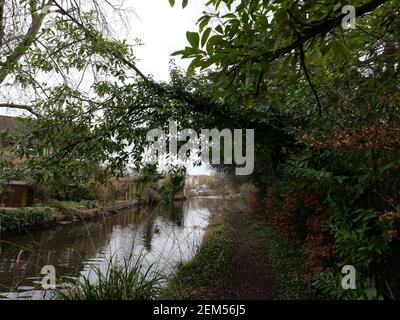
164, 236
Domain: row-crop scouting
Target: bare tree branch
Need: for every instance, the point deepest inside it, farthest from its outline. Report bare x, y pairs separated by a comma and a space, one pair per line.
304, 67
21, 107
2, 3
36, 23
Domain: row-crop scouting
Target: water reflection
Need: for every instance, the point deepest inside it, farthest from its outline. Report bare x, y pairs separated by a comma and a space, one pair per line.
166, 235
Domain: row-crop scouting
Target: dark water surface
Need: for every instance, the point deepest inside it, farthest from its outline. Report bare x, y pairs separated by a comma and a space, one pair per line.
166, 236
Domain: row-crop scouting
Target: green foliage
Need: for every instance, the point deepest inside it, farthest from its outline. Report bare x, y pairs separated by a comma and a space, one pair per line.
299, 168
89, 204
253, 44
148, 178
184, 3
74, 193
330, 285
21, 218
65, 148
361, 238
173, 184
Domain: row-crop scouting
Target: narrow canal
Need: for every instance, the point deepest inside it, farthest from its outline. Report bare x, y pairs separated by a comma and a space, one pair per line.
165, 236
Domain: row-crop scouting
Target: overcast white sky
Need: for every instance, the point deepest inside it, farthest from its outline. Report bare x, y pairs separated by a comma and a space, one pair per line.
162, 30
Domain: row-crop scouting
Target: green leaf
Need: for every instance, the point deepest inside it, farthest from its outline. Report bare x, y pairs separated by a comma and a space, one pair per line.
219, 29
172, 2
187, 53
203, 21
339, 49
194, 39
196, 63
178, 53
371, 293
205, 36
278, 42
184, 3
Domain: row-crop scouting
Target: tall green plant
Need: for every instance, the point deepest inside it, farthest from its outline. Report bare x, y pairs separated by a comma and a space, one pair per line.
129, 281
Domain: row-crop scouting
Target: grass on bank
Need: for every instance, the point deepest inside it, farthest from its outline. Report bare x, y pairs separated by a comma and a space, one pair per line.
129, 281
208, 274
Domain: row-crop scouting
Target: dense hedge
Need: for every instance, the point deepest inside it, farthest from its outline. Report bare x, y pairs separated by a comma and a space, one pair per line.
74, 193
19, 218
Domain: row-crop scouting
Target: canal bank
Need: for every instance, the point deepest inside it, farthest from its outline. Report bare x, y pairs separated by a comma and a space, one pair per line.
231, 264
17, 220
168, 236
63, 215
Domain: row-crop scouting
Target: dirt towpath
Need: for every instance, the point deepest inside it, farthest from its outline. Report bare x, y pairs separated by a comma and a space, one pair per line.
252, 277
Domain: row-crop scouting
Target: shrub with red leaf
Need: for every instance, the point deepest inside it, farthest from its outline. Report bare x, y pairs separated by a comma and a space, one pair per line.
377, 137
303, 216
